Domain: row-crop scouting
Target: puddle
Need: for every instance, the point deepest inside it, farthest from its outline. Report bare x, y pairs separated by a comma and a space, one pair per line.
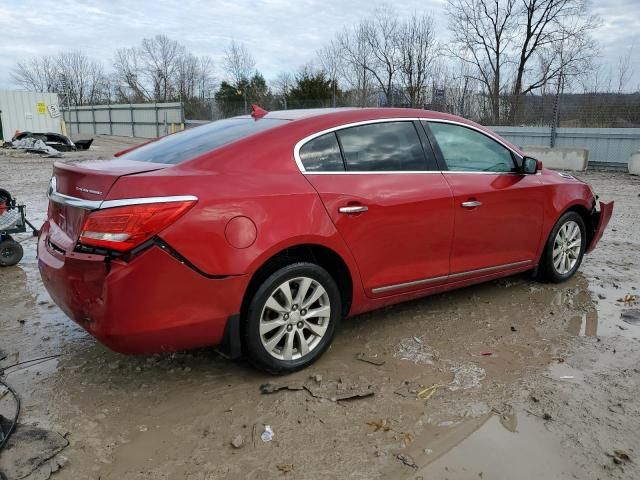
495, 453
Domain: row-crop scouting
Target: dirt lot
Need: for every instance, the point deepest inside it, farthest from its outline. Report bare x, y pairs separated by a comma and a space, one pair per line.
557, 398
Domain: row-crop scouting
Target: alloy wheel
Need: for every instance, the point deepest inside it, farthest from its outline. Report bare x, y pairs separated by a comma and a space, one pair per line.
566, 247
295, 318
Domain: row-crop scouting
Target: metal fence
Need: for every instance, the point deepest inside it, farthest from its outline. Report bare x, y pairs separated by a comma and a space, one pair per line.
146, 120
605, 145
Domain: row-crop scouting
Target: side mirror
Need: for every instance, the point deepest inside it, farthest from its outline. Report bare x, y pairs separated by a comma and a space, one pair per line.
530, 165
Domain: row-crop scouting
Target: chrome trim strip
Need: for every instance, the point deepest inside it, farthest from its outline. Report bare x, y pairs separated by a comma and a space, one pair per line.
63, 199
426, 281
490, 269
145, 200
300, 143
398, 286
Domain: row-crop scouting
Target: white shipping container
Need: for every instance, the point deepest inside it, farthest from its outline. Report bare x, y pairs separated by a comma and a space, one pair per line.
28, 111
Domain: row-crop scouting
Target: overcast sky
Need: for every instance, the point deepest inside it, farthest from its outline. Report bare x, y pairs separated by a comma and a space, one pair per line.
281, 34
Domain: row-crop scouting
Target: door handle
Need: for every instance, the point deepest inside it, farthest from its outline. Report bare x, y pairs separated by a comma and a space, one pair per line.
471, 204
353, 209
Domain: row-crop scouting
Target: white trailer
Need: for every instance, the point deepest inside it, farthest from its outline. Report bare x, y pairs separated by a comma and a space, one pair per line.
28, 112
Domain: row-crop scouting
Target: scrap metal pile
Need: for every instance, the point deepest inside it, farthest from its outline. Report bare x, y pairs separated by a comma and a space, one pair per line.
50, 144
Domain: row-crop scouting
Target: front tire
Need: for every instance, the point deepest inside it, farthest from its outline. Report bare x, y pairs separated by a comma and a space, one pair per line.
564, 249
292, 318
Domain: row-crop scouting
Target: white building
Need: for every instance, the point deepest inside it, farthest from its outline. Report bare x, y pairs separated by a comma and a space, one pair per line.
28, 111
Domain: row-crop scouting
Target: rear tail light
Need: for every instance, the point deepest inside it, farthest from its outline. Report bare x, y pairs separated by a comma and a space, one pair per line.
123, 228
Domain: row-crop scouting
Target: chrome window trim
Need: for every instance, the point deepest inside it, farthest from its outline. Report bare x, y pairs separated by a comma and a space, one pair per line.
300, 143
85, 204
452, 276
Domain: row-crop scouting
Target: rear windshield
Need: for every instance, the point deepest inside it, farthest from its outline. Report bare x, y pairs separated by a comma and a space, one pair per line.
194, 142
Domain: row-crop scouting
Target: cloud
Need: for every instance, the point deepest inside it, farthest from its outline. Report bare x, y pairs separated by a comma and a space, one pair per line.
281, 34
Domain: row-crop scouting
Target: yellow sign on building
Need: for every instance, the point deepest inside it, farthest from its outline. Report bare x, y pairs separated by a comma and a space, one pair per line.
42, 108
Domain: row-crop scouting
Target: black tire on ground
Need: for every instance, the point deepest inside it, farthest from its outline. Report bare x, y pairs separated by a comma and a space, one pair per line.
10, 252
254, 348
547, 271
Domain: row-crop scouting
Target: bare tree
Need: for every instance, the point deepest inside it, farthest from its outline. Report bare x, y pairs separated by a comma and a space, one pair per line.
283, 84
160, 56
557, 34
330, 62
128, 77
625, 70
238, 63
37, 74
357, 61
206, 81
384, 37
482, 33
417, 50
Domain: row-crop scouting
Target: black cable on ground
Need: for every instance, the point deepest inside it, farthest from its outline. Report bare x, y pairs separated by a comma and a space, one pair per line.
8, 433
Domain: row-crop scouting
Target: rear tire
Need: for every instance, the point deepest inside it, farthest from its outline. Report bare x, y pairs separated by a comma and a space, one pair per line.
564, 249
10, 252
292, 318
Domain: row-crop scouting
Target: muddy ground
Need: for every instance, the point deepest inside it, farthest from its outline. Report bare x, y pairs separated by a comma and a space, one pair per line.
557, 398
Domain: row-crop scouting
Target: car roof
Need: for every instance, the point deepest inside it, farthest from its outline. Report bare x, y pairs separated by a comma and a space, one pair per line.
316, 119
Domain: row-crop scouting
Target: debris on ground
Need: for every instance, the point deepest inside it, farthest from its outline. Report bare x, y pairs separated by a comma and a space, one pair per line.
631, 316
466, 376
414, 350
508, 417
51, 144
619, 457
628, 298
31, 453
237, 441
285, 467
372, 359
35, 145
486, 354
428, 392
383, 425
331, 390
407, 460
267, 434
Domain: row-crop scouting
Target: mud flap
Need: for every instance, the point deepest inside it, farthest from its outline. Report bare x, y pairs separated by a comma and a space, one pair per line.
231, 346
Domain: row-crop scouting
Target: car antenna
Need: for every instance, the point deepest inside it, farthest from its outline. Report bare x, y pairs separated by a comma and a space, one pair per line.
257, 111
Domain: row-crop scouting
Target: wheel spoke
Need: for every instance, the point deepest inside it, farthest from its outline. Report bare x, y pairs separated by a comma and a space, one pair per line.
274, 305
285, 288
317, 329
303, 345
322, 311
287, 353
303, 288
273, 341
268, 326
317, 293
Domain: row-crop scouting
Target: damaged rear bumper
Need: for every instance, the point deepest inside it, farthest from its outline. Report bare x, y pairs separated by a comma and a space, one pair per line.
600, 220
152, 303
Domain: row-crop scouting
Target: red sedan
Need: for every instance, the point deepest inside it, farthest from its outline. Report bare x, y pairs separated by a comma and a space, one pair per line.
259, 233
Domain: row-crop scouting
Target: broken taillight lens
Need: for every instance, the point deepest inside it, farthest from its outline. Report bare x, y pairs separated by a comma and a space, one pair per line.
123, 228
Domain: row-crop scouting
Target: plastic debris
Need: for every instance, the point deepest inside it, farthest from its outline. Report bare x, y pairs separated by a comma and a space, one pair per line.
373, 360
486, 354
237, 441
267, 434
428, 392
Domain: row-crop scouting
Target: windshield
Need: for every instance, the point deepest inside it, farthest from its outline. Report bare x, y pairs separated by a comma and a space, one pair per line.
194, 142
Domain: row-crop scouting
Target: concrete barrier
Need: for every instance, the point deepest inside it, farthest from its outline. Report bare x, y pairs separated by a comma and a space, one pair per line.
634, 164
576, 159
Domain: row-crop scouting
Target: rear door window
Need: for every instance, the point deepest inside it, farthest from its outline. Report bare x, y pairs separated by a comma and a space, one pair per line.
382, 147
322, 154
194, 142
